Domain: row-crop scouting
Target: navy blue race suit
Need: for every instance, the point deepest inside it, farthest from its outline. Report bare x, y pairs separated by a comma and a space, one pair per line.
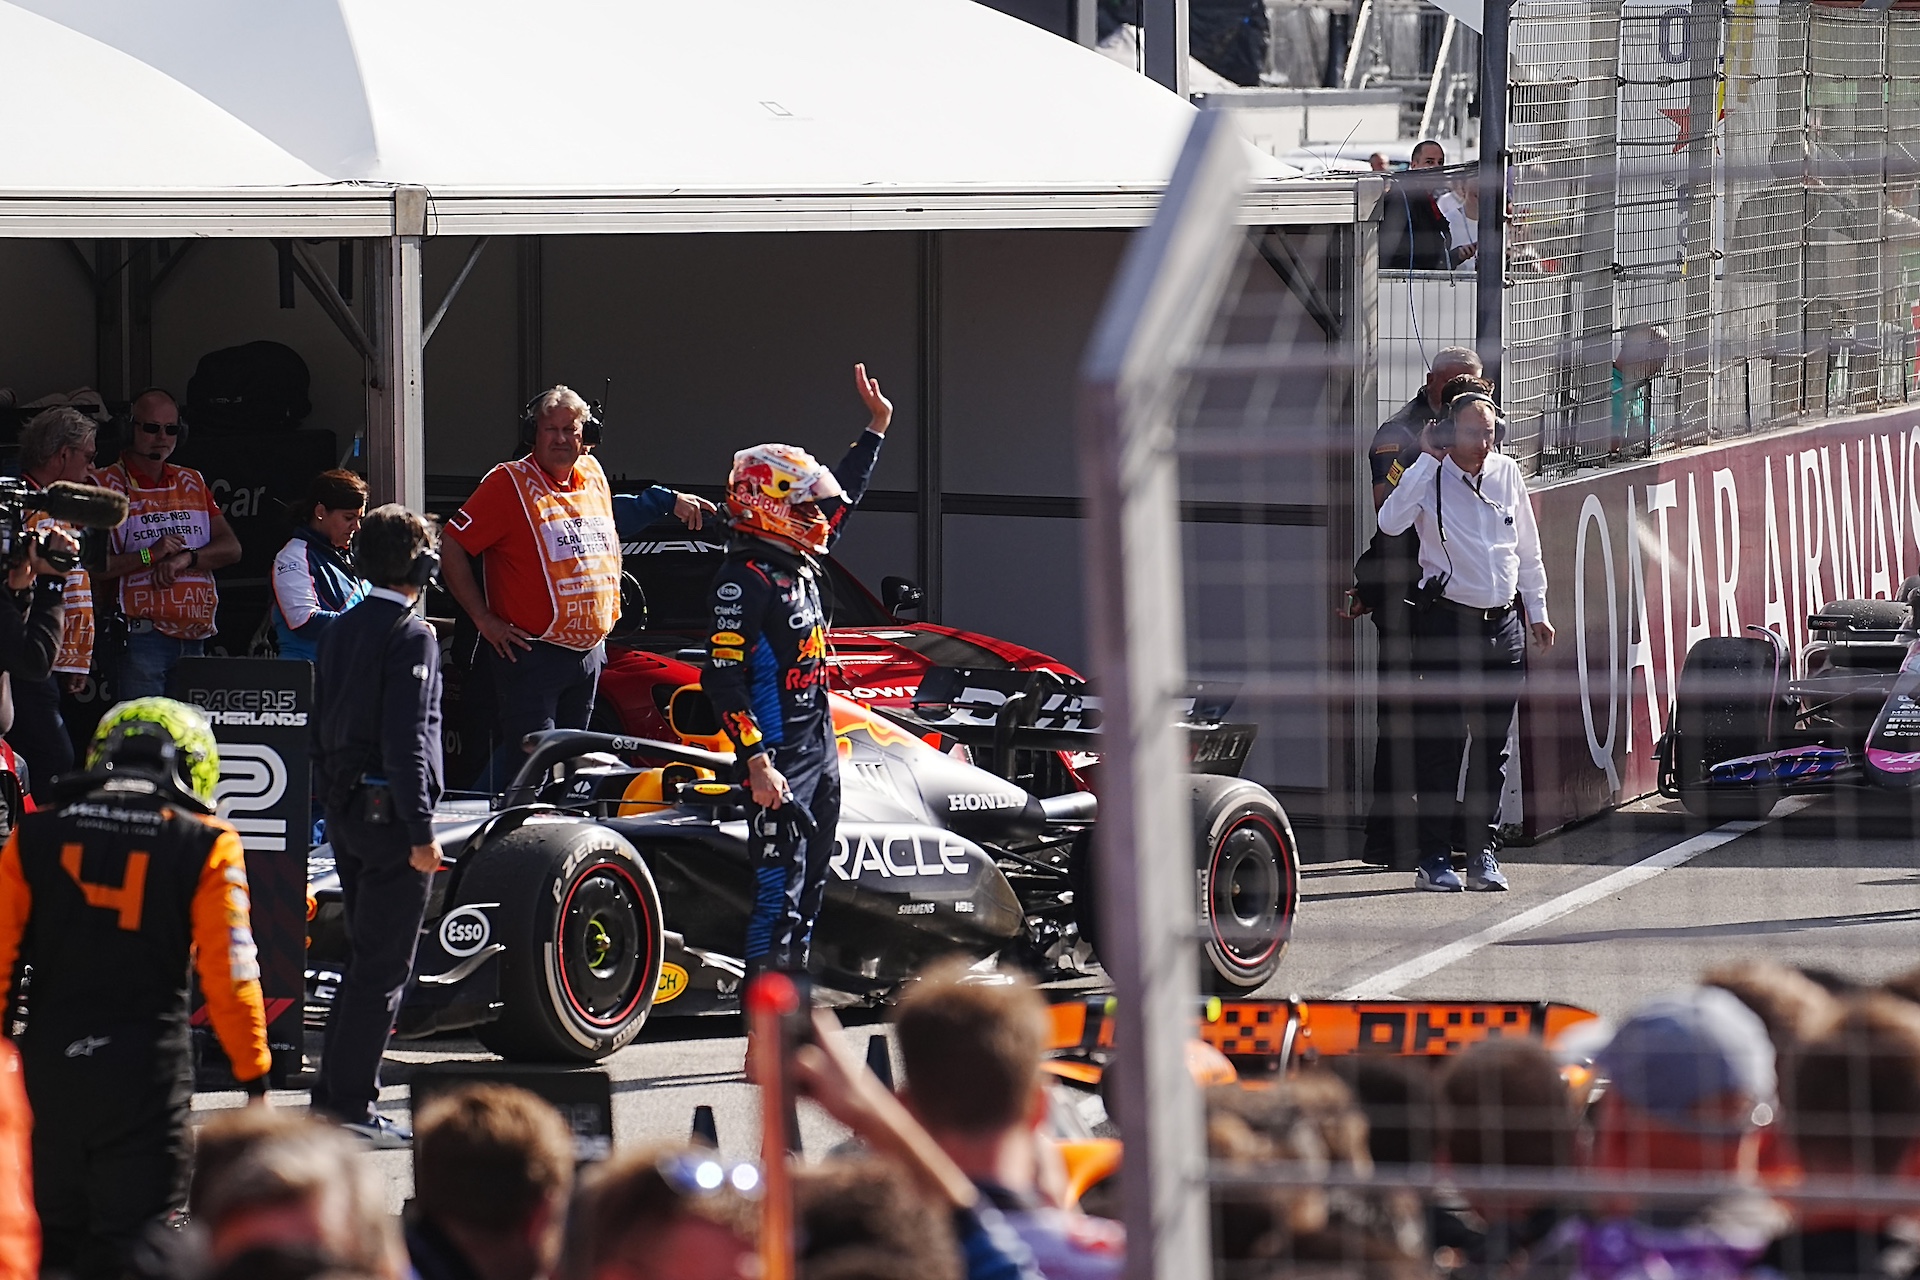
767, 676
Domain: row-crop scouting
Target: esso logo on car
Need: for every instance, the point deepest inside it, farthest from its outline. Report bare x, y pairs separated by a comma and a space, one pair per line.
464, 931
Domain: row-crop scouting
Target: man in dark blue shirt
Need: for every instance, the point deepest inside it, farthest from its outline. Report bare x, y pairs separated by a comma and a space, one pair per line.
377, 754
767, 671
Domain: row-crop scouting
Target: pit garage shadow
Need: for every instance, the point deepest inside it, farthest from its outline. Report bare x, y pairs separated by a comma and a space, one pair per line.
1732, 929
1855, 829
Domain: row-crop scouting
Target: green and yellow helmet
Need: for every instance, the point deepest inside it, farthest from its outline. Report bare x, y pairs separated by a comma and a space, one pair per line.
168, 741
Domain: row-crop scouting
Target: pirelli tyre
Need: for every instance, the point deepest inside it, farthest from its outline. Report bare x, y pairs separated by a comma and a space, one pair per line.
1248, 876
580, 920
1249, 882
1721, 713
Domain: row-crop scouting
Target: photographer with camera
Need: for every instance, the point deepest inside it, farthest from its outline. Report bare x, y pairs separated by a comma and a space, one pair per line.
165, 554
1483, 587
56, 446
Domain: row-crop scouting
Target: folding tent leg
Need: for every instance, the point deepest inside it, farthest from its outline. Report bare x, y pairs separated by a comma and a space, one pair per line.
396, 418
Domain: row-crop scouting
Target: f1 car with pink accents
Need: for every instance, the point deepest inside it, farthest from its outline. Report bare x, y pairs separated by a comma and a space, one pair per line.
1745, 730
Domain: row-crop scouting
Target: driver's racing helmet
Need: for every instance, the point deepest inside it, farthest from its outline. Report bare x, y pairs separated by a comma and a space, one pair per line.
774, 492
158, 738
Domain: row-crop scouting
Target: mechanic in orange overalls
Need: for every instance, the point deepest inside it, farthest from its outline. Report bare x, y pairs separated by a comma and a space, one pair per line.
109, 892
547, 527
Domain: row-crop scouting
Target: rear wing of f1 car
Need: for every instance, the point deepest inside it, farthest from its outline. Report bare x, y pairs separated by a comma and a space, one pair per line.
1046, 711
1275, 1035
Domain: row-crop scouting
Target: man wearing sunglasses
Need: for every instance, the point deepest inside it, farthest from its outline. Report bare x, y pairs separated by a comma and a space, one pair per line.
165, 553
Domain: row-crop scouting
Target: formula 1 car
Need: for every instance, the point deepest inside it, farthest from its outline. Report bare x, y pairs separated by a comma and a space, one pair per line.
611, 880
1743, 732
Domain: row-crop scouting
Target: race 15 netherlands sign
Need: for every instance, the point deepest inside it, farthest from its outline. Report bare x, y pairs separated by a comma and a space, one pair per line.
1643, 561
259, 708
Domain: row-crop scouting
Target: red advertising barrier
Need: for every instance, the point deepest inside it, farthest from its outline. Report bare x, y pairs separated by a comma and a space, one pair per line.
1644, 560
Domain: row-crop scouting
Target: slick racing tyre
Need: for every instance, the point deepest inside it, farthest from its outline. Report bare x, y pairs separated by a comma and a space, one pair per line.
1249, 883
1720, 713
580, 919
1249, 878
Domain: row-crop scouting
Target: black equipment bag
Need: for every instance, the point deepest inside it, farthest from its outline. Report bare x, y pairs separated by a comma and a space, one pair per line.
1387, 569
259, 386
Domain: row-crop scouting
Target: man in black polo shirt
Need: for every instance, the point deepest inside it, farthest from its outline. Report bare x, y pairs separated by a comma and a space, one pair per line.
377, 754
1388, 570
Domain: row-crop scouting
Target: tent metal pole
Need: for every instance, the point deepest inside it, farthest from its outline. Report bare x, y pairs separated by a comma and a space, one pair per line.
308, 271
453, 290
932, 543
396, 443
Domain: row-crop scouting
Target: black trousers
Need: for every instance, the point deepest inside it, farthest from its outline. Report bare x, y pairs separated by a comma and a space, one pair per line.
1391, 832
790, 867
111, 1148
385, 901
39, 734
1469, 669
545, 687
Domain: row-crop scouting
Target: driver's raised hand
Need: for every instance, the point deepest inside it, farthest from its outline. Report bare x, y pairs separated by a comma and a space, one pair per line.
878, 406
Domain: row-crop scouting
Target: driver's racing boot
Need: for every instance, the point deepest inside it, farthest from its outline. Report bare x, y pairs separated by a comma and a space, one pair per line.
1436, 875
1484, 874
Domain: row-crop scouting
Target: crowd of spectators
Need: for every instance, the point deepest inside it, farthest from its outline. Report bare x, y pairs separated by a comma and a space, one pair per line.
1763, 1123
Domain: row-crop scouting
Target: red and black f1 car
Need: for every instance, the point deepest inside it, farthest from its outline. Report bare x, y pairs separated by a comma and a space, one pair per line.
1744, 731
611, 880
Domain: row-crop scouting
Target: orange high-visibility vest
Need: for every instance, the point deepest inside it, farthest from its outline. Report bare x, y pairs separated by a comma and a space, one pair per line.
579, 549
76, 632
180, 504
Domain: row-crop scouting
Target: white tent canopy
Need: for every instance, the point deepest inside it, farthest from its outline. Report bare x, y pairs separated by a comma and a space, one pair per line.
391, 121
490, 104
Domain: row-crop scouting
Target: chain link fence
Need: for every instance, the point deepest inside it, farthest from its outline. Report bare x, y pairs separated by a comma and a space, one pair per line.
1714, 223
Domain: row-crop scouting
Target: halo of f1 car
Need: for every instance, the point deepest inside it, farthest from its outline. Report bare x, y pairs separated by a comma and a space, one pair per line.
610, 881
1744, 731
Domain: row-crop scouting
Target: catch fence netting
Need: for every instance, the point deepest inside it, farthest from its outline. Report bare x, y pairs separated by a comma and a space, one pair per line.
1451, 1085
1743, 178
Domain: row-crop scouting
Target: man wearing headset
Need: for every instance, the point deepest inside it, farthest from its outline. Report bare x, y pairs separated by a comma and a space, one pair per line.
1483, 587
547, 527
378, 763
165, 553
1389, 567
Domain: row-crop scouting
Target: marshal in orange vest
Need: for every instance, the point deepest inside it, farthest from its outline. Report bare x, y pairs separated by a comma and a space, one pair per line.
551, 553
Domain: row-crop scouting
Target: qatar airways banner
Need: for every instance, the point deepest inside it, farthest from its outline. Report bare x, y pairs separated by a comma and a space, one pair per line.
1645, 560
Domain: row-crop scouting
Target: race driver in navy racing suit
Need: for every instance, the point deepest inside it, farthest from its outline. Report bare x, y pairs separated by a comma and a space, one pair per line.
767, 671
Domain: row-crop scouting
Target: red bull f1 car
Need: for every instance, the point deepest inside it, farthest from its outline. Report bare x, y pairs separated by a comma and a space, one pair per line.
611, 881
1745, 731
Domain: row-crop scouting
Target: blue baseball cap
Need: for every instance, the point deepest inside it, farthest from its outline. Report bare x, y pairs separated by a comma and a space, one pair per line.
1685, 1047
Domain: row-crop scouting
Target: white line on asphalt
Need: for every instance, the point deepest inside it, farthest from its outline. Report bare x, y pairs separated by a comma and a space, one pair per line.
1388, 983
